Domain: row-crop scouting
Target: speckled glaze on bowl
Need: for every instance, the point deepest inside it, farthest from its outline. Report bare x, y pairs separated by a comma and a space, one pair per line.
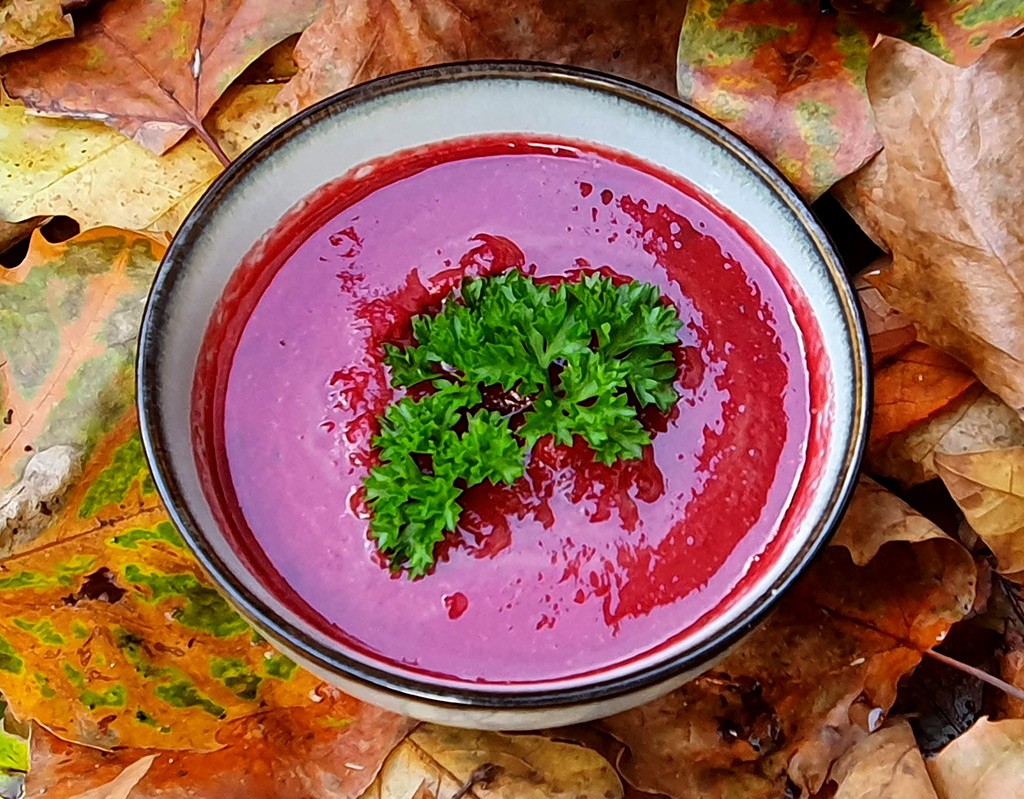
438, 104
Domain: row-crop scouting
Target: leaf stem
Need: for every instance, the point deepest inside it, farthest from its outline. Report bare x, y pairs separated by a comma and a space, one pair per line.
211, 142
984, 676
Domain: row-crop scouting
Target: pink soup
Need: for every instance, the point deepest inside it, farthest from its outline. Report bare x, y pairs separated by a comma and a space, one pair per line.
579, 566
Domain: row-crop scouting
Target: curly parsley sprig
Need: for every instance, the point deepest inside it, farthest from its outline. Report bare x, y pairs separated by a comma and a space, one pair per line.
576, 359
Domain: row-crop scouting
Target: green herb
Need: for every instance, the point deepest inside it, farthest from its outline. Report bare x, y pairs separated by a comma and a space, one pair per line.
577, 359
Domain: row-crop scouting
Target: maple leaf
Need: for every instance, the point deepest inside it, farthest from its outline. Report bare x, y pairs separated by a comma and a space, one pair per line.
85, 170
805, 685
356, 40
790, 79
946, 204
152, 68
69, 317
331, 748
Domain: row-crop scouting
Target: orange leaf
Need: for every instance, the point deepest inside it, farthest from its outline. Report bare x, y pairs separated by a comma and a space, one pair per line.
820, 673
329, 750
920, 383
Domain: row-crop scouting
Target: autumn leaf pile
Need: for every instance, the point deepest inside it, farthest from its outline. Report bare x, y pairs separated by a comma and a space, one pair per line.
894, 669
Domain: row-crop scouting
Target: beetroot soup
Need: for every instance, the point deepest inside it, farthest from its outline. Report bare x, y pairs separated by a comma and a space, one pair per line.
577, 566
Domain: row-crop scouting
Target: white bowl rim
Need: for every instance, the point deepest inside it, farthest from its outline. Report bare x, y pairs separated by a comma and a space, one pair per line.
334, 661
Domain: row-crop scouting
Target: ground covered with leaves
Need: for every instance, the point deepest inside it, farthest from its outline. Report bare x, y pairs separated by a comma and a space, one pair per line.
894, 669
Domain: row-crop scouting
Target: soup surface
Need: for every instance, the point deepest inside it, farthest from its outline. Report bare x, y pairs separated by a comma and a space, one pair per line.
579, 566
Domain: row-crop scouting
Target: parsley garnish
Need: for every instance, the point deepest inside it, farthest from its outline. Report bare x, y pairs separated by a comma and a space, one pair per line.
577, 359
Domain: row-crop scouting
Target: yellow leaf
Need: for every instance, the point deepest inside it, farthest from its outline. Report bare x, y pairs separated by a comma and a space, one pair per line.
87, 171
446, 762
111, 635
989, 488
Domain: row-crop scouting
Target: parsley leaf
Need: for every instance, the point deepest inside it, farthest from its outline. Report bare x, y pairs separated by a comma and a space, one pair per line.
573, 359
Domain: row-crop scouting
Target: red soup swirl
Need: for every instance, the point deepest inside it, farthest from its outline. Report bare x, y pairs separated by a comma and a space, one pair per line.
578, 566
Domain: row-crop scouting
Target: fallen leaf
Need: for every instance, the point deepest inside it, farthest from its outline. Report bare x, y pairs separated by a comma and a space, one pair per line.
25, 24
914, 386
328, 750
87, 171
945, 199
356, 40
14, 233
110, 633
989, 488
887, 764
152, 68
123, 784
789, 76
979, 420
987, 761
1011, 669
818, 675
889, 331
487, 765
69, 318
876, 517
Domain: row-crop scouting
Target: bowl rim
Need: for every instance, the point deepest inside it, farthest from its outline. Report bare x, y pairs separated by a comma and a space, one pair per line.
334, 661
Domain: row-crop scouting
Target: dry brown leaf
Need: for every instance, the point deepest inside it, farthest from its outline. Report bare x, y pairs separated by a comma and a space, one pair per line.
1011, 669
946, 199
889, 331
25, 24
356, 40
328, 750
818, 675
152, 68
123, 784
488, 765
915, 385
986, 762
989, 488
84, 170
885, 764
876, 517
979, 421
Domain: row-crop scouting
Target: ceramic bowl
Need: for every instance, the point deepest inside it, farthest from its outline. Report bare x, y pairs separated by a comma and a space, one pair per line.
438, 104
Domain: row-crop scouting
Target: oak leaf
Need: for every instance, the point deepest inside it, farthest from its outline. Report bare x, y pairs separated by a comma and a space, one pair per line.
152, 68
887, 764
946, 200
356, 40
818, 674
87, 171
25, 24
986, 761
447, 762
330, 749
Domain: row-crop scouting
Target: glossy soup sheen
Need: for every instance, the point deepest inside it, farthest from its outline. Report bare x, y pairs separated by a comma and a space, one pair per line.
579, 566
